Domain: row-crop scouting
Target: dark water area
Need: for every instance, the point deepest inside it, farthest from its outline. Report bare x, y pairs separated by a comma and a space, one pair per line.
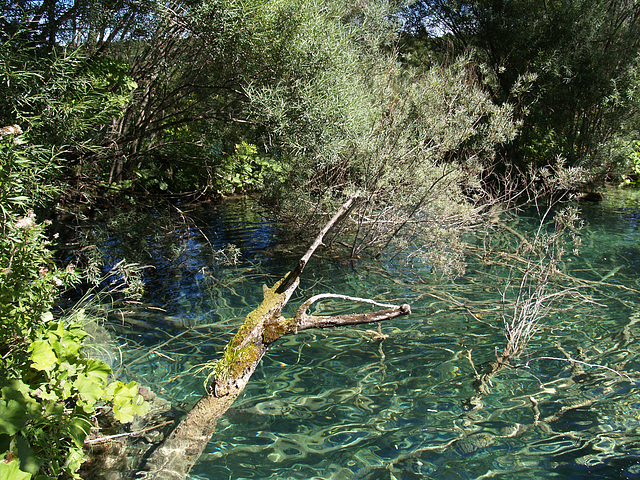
346, 404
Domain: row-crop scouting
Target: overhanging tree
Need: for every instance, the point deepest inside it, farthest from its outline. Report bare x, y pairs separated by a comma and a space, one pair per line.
577, 61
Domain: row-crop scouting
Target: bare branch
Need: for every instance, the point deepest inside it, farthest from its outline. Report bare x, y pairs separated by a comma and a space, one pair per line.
293, 275
108, 438
305, 306
321, 321
579, 362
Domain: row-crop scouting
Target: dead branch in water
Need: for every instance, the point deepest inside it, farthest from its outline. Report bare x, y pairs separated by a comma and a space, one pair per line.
263, 326
108, 438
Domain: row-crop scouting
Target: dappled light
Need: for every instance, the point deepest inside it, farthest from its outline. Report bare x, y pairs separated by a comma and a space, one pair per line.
353, 402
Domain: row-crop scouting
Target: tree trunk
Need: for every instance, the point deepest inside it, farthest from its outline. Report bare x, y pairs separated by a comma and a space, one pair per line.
263, 326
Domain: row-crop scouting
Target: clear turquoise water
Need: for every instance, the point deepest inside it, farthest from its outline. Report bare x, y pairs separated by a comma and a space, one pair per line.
339, 404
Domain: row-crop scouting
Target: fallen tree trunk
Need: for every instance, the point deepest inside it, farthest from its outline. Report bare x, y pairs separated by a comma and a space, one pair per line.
263, 326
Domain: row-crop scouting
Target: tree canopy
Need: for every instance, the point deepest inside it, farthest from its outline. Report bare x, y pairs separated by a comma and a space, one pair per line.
569, 67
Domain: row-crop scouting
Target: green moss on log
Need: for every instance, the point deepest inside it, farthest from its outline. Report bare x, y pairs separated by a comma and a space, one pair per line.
270, 306
276, 329
248, 345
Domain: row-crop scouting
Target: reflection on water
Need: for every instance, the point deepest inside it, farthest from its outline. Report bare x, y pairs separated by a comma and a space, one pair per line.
339, 404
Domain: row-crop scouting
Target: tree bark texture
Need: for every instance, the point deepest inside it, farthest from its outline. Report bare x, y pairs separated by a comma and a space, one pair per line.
263, 326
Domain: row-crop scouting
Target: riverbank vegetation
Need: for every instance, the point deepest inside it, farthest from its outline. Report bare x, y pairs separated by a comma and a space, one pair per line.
442, 114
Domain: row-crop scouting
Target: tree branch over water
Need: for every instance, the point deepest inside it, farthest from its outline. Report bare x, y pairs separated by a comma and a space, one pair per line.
263, 326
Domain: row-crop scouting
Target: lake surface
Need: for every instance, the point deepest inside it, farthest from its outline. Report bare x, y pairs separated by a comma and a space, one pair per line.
347, 404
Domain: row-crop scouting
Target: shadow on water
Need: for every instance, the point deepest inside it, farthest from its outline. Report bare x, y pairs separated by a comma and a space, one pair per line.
342, 404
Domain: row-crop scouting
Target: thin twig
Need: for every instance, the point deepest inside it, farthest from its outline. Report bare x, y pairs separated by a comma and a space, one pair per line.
155, 349
475, 371
580, 362
127, 434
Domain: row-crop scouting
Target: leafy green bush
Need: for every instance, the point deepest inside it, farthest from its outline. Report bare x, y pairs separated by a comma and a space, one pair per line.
49, 394
247, 170
49, 389
29, 280
634, 161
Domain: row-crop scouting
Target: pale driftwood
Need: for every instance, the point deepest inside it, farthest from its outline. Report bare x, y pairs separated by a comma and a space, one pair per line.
180, 451
108, 438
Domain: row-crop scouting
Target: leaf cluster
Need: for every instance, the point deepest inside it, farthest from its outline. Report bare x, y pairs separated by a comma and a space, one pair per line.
246, 170
50, 392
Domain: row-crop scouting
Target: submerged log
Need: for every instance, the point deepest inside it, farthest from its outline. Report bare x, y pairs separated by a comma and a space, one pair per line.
263, 326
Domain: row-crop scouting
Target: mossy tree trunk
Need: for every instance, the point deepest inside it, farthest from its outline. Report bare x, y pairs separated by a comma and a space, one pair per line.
179, 452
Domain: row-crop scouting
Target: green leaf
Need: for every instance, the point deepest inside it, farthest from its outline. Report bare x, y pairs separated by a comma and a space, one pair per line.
89, 389
10, 471
28, 460
54, 409
13, 412
75, 459
98, 369
69, 345
127, 402
76, 330
5, 442
18, 199
79, 429
42, 356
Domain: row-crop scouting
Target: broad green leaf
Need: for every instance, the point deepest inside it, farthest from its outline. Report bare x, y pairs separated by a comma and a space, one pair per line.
12, 416
13, 410
74, 460
123, 412
10, 471
98, 369
69, 345
76, 330
42, 356
121, 392
127, 402
89, 388
28, 460
5, 442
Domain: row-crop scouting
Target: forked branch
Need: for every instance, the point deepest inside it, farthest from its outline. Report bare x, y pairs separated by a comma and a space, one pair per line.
263, 326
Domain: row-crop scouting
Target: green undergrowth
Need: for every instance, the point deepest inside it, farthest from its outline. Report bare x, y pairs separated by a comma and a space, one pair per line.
51, 392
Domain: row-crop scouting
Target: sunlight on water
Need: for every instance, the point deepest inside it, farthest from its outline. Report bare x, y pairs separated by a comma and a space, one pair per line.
339, 404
